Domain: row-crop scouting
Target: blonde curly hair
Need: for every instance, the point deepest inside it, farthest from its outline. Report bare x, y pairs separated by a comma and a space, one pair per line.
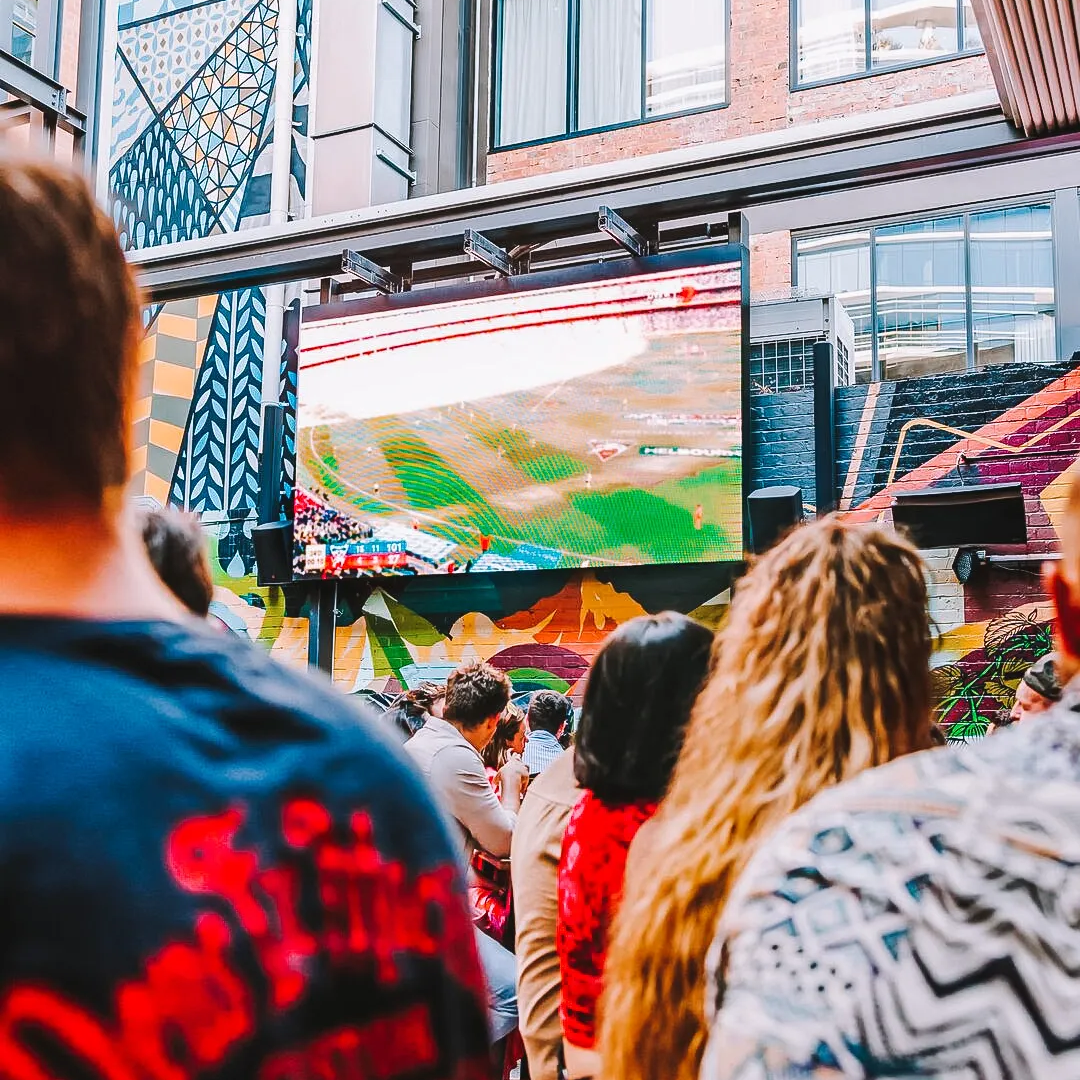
821, 671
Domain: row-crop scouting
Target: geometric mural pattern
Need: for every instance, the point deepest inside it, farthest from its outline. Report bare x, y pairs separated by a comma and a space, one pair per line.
217, 121
171, 354
192, 139
164, 52
217, 469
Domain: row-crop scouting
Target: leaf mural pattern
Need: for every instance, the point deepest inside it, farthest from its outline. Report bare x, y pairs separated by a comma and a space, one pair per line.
218, 467
982, 685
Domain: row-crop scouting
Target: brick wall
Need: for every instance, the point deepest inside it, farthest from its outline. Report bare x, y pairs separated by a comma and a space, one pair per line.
760, 101
770, 264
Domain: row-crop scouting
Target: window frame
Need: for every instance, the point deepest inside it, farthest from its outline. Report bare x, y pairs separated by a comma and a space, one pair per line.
573, 41
965, 211
794, 85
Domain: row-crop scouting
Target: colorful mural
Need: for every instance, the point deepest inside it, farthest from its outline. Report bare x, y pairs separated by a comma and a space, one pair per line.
192, 127
544, 628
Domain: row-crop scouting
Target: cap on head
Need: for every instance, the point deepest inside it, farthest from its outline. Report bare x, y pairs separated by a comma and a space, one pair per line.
1042, 677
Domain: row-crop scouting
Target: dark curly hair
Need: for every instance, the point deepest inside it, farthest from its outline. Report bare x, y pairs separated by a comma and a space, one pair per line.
178, 552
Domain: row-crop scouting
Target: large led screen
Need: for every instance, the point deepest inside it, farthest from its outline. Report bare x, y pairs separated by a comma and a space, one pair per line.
584, 419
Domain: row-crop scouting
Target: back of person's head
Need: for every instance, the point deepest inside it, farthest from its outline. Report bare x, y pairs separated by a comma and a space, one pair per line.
69, 313
550, 712
475, 693
821, 671
638, 697
1063, 585
176, 545
408, 712
509, 727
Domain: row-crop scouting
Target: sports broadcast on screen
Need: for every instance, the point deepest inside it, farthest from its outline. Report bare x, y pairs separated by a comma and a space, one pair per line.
578, 423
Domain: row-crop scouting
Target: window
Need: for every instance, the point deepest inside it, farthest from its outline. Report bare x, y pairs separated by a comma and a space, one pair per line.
779, 366
24, 30
836, 39
951, 293
569, 66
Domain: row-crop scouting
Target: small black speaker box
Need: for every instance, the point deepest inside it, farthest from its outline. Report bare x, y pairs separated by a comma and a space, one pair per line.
273, 552
975, 516
772, 512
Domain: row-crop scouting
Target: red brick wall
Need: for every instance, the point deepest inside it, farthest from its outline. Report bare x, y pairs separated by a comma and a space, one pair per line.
770, 264
760, 101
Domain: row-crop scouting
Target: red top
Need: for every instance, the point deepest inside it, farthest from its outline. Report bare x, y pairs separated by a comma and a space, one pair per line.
591, 873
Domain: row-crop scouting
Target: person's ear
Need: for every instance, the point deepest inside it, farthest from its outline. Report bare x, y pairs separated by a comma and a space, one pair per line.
1066, 600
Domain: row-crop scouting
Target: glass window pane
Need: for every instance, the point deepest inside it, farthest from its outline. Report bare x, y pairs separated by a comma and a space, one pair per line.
532, 70
909, 31
22, 45
609, 63
831, 39
921, 298
23, 30
840, 266
1012, 285
972, 36
687, 54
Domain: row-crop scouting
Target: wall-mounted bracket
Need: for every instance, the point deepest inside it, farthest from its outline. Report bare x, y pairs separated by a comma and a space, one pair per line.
378, 277
479, 247
624, 234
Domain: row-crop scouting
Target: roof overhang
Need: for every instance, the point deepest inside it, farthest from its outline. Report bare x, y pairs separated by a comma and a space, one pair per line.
956, 134
1034, 51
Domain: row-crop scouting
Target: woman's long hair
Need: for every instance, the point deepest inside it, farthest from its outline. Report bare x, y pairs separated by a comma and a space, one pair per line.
510, 723
821, 671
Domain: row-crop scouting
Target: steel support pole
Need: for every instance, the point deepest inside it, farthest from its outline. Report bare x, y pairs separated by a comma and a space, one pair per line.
322, 622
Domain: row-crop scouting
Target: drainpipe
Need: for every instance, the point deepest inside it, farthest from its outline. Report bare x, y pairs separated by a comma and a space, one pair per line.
280, 177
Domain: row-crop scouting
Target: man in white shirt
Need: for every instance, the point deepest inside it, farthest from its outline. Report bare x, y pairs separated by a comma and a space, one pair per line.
447, 752
548, 715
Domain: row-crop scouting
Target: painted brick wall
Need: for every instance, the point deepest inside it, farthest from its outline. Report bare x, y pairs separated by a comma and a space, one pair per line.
760, 101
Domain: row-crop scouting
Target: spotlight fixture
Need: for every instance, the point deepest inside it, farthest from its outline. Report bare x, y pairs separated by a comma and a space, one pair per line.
968, 562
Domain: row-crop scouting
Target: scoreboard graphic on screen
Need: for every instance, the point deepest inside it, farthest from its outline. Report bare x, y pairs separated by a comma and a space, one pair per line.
588, 418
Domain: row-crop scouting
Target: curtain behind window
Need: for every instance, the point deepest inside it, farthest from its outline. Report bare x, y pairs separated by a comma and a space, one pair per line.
532, 103
609, 64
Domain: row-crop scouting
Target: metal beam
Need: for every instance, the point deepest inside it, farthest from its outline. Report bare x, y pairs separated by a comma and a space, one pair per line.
817, 159
42, 93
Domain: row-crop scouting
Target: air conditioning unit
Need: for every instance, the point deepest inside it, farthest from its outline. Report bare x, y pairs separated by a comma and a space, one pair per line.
782, 338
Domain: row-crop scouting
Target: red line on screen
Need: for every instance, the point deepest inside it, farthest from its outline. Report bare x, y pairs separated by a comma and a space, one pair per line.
521, 321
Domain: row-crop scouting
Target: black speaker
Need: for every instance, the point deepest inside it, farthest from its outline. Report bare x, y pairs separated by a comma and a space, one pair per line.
273, 552
974, 516
772, 512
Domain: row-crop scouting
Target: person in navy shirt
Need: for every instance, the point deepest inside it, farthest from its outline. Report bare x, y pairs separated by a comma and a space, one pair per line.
214, 868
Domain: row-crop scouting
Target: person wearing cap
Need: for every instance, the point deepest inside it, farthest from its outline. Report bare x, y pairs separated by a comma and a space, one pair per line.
1038, 689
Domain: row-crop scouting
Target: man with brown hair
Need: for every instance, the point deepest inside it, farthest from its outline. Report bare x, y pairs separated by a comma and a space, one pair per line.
213, 867
447, 751
920, 920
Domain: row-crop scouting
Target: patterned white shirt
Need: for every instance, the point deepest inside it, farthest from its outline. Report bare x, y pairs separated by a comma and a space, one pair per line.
920, 921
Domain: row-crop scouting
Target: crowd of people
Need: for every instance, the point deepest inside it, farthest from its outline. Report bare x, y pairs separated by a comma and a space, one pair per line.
750, 859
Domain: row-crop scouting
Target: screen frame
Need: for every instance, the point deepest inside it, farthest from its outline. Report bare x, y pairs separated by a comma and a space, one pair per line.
613, 269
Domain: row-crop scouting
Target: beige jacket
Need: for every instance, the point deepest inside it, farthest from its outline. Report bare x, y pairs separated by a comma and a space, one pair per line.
534, 867
456, 774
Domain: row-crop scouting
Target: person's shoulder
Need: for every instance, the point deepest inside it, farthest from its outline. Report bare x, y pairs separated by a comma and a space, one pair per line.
557, 783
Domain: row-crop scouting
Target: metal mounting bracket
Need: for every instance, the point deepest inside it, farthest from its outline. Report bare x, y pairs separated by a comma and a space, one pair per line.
479, 247
624, 234
378, 277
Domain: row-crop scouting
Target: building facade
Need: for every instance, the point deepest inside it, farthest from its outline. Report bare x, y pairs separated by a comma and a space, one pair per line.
226, 116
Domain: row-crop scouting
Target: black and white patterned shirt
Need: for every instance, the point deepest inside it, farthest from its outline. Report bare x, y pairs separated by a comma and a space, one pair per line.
920, 921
